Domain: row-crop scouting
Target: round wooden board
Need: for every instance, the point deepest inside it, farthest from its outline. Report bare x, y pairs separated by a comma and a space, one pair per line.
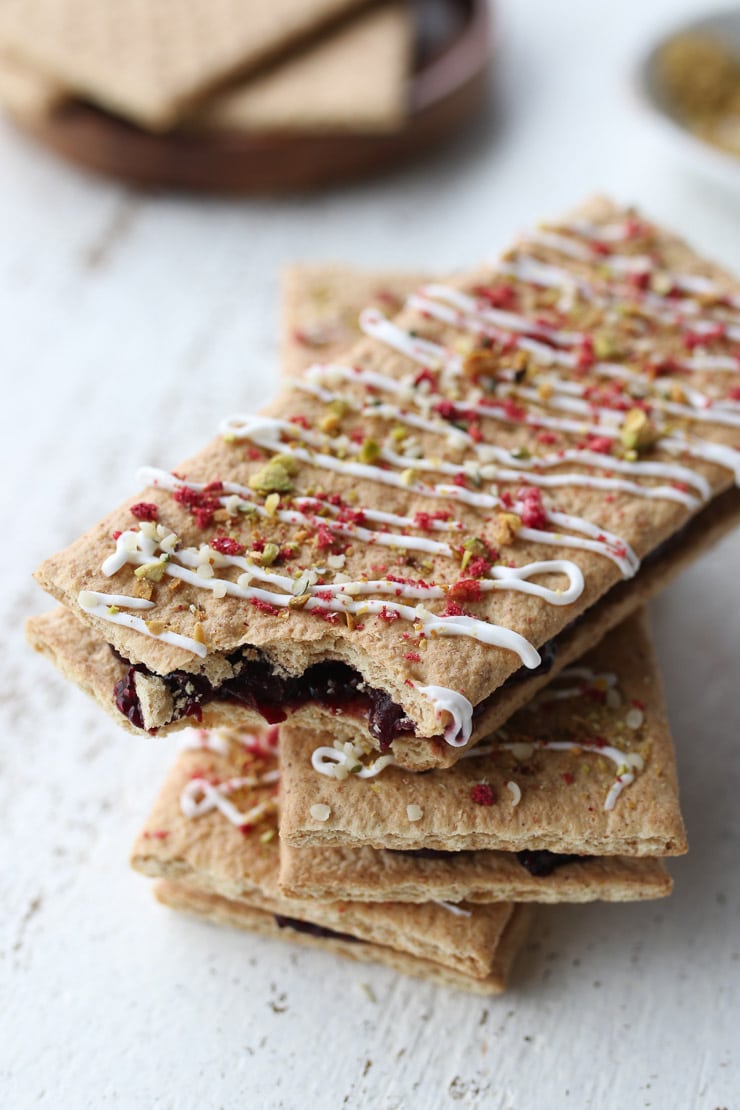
446, 88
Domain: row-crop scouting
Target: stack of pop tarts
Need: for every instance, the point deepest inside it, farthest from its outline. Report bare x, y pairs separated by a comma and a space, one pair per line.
425, 567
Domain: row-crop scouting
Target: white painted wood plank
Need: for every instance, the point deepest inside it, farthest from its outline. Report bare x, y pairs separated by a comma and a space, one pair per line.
130, 324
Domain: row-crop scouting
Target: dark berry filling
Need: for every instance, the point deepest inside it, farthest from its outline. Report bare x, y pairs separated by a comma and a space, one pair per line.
544, 863
126, 698
386, 719
283, 922
427, 853
333, 685
548, 651
256, 685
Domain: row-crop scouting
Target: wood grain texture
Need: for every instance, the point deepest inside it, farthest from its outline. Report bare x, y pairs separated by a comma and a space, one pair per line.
125, 315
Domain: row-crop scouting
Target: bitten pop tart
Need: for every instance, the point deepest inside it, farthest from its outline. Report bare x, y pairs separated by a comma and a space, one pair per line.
416, 538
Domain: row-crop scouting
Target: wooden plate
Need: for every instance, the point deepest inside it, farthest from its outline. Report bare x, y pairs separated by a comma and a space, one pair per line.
448, 84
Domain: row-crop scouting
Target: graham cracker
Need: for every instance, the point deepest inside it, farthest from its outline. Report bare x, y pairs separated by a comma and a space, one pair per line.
85, 657
149, 60
26, 94
380, 651
378, 875
353, 79
562, 802
321, 305
240, 915
242, 861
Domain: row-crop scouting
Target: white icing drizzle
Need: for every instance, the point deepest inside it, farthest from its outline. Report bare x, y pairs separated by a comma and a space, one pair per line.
345, 758
628, 763
383, 330
104, 606
716, 414
458, 911
475, 315
90, 598
516, 469
587, 676
421, 351
664, 309
457, 707
203, 739
490, 410
499, 577
179, 562
600, 233
719, 363
515, 791
265, 432
546, 344
562, 244
691, 283
703, 408
247, 501
199, 796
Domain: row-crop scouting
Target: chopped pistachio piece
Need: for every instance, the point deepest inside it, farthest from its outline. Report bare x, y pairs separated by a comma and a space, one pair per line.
638, 432
272, 502
275, 476
369, 451
269, 554
153, 571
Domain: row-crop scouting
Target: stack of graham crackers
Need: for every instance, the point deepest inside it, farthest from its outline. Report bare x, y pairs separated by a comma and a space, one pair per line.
404, 603
210, 65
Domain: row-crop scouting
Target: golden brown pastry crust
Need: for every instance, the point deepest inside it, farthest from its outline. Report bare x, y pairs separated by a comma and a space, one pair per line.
381, 651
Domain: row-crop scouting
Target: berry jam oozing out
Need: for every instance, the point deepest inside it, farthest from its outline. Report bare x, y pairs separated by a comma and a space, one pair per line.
126, 698
334, 685
283, 922
544, 863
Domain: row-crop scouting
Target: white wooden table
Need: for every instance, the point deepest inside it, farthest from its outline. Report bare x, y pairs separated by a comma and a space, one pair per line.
130, 324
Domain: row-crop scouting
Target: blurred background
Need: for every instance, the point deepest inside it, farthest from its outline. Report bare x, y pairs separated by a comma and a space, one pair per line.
133, 317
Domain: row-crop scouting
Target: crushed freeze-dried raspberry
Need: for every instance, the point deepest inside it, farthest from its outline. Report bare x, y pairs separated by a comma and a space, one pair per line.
426, 376
466, 589
482, 794
145, 510
453, 609
531, 509
226, 546
600, 444
501, 295
324, 537
446, 409
264, 606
